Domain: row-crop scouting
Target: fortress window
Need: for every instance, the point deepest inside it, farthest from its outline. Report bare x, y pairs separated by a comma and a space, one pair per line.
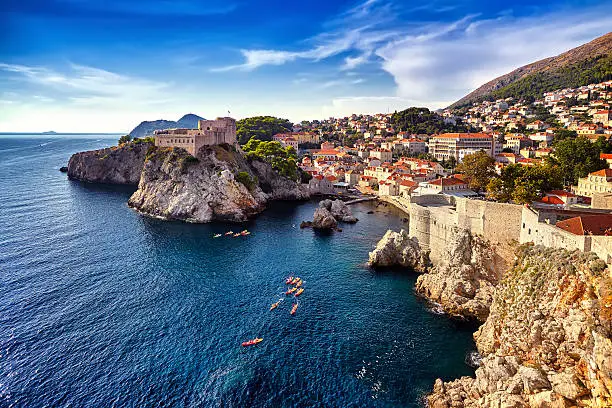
523, 225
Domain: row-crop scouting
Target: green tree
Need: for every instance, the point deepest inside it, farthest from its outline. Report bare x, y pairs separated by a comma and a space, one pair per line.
478, 168
125, 139
576, 158
562, 134
282, 159
524, 184
261, 127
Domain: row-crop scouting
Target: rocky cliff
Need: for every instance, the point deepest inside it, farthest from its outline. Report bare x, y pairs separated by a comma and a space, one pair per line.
398, 249
464, 283
116, 165
546, 341
175, 185
275, 186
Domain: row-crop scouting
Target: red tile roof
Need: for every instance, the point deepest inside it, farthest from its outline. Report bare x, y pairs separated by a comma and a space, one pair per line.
562, 193
600, 224
602, 173
552, 200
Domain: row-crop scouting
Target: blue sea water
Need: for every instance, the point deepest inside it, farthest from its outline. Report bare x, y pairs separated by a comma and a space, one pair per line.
102, 307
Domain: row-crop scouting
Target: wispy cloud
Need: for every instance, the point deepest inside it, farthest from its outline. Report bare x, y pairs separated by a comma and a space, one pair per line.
83, 84
361, 29
444, 62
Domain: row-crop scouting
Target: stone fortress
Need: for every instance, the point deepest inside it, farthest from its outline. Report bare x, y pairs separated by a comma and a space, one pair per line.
208, 133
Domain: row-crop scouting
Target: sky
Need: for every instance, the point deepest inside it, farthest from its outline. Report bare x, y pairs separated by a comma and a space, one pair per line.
107, 65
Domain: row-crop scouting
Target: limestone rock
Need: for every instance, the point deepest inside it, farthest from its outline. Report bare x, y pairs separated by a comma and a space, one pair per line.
114, 165
276, 186
175, 185
398, 249
464, 284
546, 341
324, 220
342, 213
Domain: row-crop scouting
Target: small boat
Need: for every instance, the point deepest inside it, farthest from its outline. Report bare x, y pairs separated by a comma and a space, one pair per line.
217, 236
236, 235
294, 281
290, 291
294, 308
244, 231
275, 305
244, 234
289, 279
229, 233
252, 342
299, 292
297, 285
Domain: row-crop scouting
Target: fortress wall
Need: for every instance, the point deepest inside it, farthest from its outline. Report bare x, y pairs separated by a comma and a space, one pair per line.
498, 223
541, 233
602, 246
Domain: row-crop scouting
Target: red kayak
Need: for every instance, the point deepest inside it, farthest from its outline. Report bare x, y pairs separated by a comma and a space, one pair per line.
252, 342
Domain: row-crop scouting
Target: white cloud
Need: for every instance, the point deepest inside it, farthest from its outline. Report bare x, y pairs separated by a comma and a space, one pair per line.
444, 63
82, 83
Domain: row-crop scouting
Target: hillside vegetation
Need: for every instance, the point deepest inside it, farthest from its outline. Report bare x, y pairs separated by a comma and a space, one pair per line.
422, 120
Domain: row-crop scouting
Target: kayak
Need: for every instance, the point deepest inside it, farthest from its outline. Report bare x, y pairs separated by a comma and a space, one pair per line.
297, 285
289, 279
294, 308
294, 281
252, 342
274, 305
290, 291
244, 234
229, 233
217, 235
236, 235
299, 292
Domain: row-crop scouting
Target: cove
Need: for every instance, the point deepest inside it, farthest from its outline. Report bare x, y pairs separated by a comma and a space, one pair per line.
102, 306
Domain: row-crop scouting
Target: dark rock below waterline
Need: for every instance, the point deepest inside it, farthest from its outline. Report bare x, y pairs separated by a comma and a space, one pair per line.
64, 169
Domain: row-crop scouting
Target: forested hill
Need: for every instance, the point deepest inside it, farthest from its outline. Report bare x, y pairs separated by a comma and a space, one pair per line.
423, 121
583, 65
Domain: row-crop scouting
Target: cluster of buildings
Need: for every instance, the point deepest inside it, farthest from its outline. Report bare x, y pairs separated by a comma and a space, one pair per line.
585, 110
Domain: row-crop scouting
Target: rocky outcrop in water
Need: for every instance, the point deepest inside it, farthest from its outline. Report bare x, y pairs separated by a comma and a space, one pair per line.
398, 249
546, 341
329, 214
114, 165
323, 220
465, 282
275, 186
340, 211
175, 185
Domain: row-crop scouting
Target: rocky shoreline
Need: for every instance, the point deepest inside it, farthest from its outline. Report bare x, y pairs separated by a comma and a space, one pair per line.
546, 320
219, 183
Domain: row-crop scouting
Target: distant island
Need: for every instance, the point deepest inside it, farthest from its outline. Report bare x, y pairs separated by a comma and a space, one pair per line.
49, 132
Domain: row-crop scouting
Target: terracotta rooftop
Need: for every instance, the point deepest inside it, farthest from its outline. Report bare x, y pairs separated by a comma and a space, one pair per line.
600, 224
602, 173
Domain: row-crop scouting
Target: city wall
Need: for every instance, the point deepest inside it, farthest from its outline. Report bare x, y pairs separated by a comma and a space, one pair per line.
433, 218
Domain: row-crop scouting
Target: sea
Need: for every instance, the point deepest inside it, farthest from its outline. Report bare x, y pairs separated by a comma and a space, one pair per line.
103, 307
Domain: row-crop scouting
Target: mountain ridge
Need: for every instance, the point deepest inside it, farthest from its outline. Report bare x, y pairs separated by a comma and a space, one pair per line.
592, 61
146, 128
